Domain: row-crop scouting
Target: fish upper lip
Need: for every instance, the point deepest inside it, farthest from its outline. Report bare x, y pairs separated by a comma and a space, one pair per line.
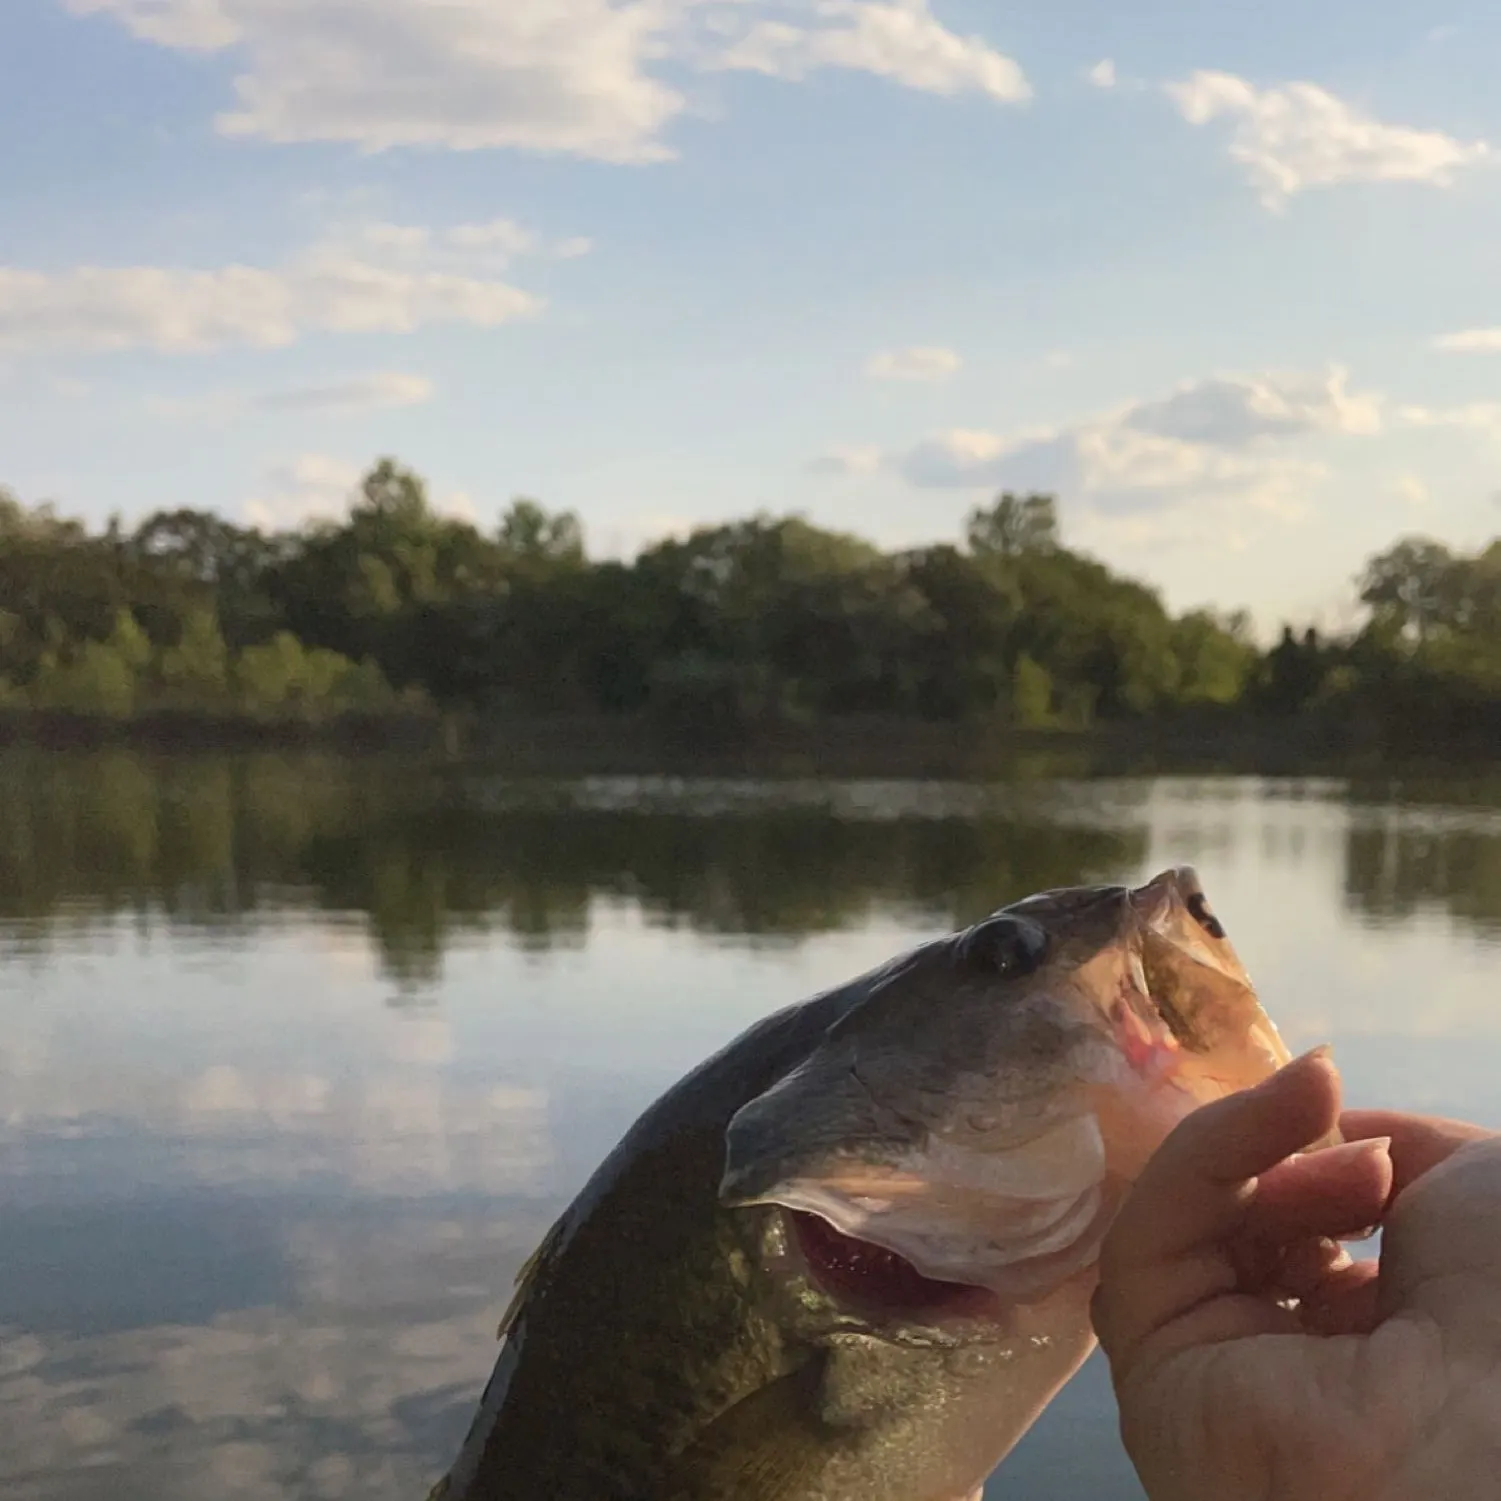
1152, 900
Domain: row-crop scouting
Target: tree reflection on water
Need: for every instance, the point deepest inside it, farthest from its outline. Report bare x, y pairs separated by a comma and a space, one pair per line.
216, 842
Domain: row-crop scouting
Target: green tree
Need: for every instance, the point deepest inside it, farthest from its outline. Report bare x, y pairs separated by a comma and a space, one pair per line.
196, 669
960, 661
532, 534
96, 677
395, 582
1293, 671
1411, 583
1031, 694
764, 618
1216, 658
269, 676
1012, 525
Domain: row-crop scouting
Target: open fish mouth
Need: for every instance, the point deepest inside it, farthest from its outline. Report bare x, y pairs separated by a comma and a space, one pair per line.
1218, 1037
876, 1282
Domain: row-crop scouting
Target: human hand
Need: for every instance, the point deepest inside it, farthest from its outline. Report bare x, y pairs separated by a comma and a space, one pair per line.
1378, 1385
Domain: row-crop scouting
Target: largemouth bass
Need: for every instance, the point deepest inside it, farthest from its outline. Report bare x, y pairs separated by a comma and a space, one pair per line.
850, 1257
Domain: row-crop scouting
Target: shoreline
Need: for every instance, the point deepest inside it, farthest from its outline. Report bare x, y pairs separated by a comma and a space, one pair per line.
869, 746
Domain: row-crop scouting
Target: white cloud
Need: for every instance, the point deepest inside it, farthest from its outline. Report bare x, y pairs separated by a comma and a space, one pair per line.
487, 245
311, 487
1470, 341
579, 77
381, 391
950, 458
390, 279
626, 538
897, 39
1412, 491
460, 505
848, 460
542, 75
1231, 413
315, 487
366, 393
1216, 445
188, 25
1102, 75
921, 362
1109, 467
503, 235
1299, 136
1483, 417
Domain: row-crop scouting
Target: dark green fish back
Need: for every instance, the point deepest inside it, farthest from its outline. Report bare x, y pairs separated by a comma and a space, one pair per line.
639, 1322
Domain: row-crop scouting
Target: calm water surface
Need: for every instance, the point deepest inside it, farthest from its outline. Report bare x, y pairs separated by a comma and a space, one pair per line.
299, 1059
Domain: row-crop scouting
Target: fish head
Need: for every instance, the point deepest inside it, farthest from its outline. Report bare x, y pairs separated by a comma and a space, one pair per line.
962, 1135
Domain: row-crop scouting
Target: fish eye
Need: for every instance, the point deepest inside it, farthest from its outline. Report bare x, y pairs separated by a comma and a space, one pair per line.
1005, 947
1199, 910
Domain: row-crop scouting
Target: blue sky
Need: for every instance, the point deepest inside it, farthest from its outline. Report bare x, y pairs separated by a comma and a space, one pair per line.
1226, 281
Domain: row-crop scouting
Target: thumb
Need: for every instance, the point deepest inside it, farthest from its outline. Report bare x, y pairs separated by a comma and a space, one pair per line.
1441, 1249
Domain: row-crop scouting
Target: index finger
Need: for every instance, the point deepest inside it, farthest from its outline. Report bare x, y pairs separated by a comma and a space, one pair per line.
1197, 1183
1166, 1255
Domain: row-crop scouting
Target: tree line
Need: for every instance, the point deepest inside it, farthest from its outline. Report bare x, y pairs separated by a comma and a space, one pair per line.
765, 620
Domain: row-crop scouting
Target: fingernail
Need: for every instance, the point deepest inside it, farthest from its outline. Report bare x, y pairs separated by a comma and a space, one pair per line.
1356, 1151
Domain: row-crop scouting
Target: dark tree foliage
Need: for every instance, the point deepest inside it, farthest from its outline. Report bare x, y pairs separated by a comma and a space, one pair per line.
761, 620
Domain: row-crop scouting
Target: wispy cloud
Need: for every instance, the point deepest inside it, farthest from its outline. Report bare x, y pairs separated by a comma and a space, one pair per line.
1413, 491
1470, 341
897, 39
921, 362
385, 278
1298, 136
317, 487
1483, 417
848, 460
310, 487
366, 393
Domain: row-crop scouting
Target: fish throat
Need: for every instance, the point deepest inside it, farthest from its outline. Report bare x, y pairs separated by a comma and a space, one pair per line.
871, 1280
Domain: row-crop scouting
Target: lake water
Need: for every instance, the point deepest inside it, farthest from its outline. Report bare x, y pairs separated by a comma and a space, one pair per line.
298, 1058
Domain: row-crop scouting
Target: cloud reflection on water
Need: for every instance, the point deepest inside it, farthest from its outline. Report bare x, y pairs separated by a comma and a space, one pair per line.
356, 1383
